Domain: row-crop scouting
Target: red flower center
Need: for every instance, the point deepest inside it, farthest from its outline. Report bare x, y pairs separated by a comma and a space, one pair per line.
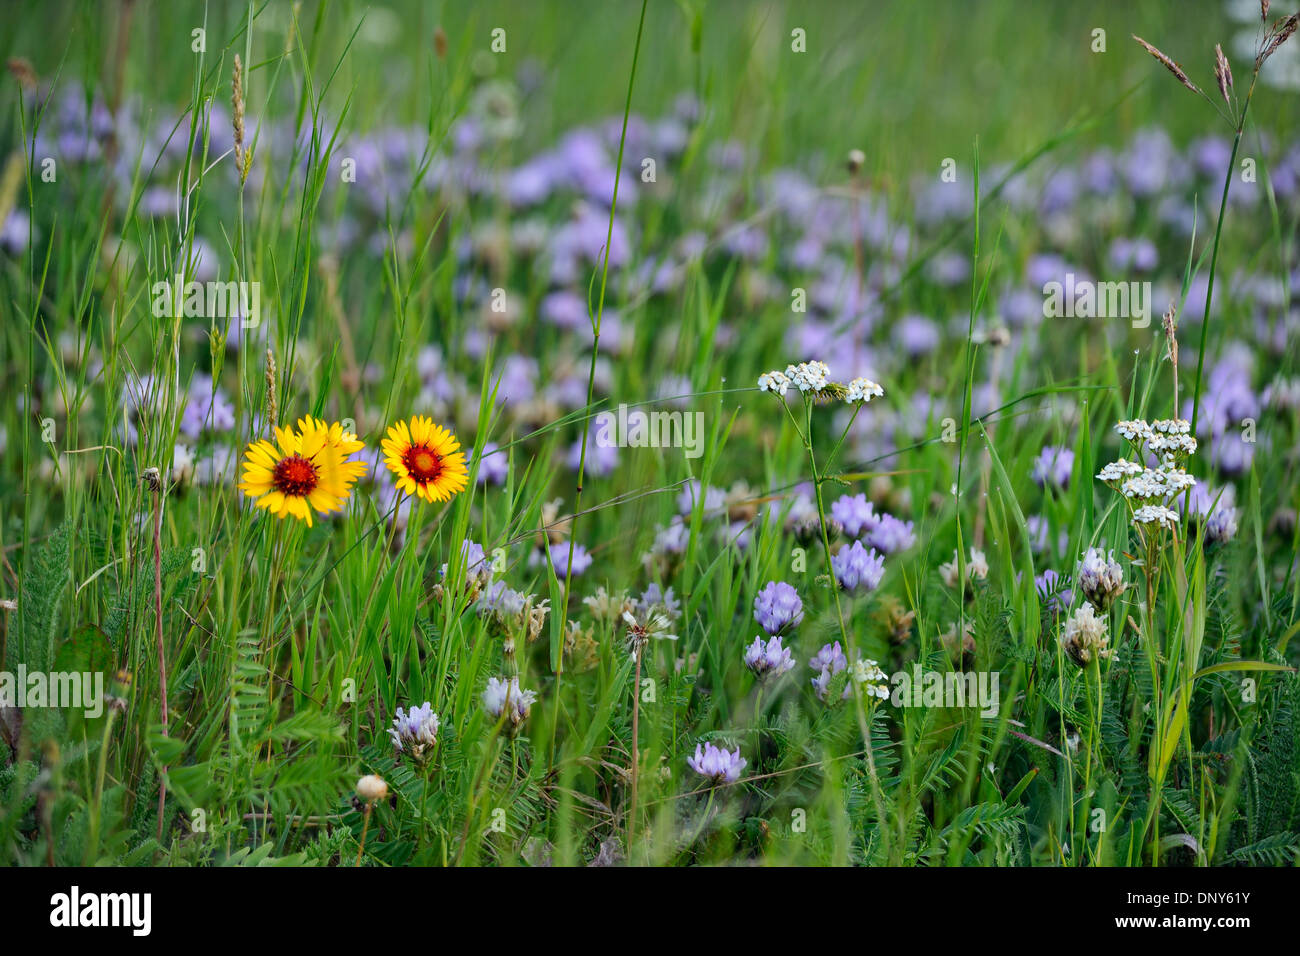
422, 464
294, 476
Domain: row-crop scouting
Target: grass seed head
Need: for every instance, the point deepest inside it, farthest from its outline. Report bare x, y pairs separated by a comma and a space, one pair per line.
1179, 73
1222, 72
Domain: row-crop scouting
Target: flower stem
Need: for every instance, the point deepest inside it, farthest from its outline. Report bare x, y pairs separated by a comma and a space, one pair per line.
636, 762
1214, 253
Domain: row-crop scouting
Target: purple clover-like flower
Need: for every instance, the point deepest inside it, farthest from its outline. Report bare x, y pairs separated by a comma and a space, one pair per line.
828, 662
653, 598
1053, 466
715, 499
891, 535
855, 514
207, 409
601, 460
857, 569
414, 732
560, 558
1221, 526
477, 564
506, 697
1100, 578
673, 539
768, 660
778, 607
715, 764
1040, 536
1053, 590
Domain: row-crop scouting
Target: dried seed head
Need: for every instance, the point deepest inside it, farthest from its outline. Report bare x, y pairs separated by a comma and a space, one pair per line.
1222, 72
1263, 10
1281, 33
1170, 320
372, 787
1170, 323
440, 43
23, 71
855, 161
242, 159
1169, 65
272, 408
555, 528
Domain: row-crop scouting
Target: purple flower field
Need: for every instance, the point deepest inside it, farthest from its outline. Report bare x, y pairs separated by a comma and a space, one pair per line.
706, 435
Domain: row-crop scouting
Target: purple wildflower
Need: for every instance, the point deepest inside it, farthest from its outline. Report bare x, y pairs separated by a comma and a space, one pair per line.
1053, 466
655, 599
672, 539
828, 662
206, 409
476, 561
768, 659
1053, 590
566, 310
493, 465
855, 514
504, 697
602, 457
560, 558
716, 765
415, 731
778, 607
857, 569
891, 535
715, 499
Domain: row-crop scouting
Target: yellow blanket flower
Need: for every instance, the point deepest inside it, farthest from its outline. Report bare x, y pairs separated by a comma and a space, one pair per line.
426, 459
306, 469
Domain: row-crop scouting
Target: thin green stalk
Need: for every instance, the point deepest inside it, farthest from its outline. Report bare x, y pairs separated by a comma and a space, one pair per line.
1214, 252
561, 613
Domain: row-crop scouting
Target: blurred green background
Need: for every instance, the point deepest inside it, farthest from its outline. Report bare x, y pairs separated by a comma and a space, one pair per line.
909, 83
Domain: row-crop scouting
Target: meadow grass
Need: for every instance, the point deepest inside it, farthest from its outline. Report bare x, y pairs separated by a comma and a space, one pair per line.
285, 649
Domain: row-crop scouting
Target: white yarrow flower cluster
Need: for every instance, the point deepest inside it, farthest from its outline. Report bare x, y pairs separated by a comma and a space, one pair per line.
868, 675
776, 382
809, 376
1176, 479
1119, 470
1172, 444
1150, 491
1149, 484
813, 380
1136, 431
1160, 482
863, 390
1157, 515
